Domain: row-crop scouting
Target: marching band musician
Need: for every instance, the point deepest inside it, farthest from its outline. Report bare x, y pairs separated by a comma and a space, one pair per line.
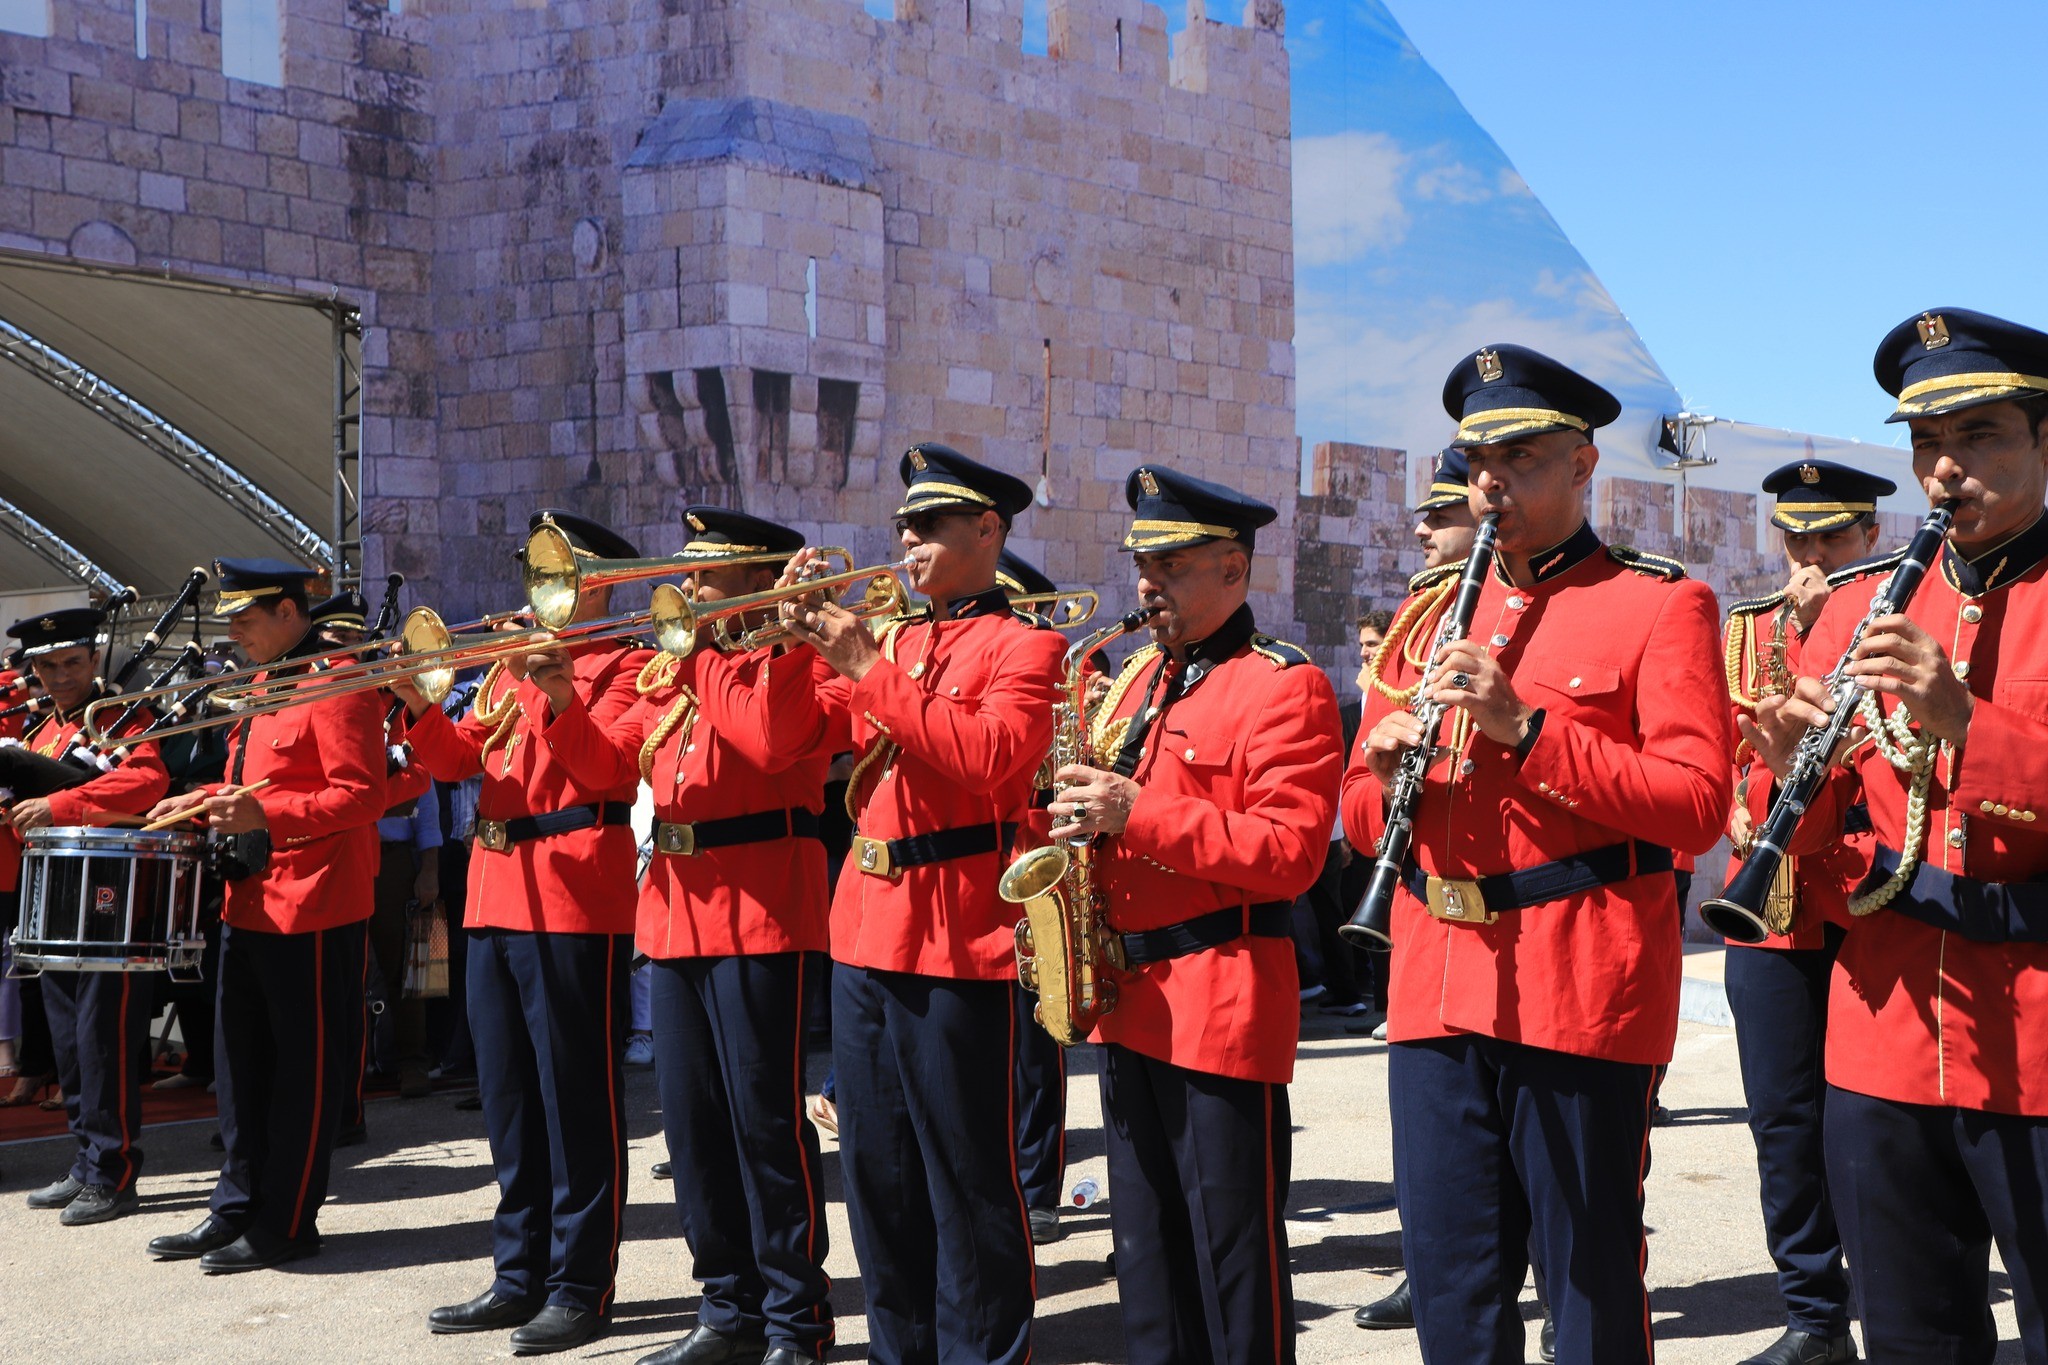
1041, 1083
1223, 757
732, 916
1444, 529
951, 714
299, 859
99, 1021
550, 911
1937, 1059
1778, 989
1535, 990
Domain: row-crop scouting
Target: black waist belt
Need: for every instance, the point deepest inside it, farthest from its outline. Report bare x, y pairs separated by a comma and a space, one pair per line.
888, 857
1983, 912
1571, 876
683, 841
1269, 919
499, 835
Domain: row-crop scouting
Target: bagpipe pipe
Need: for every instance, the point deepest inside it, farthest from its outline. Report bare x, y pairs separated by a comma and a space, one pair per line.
1737, 913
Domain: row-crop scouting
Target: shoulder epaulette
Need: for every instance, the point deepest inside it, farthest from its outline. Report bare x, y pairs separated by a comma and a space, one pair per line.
1643, 562
1757, 606
1280, 653
1883, 563
1429, 578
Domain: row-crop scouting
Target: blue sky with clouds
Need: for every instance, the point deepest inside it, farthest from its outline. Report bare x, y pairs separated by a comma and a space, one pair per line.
1762, 188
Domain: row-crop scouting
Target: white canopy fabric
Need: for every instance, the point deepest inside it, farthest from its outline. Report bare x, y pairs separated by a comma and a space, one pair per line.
246, 372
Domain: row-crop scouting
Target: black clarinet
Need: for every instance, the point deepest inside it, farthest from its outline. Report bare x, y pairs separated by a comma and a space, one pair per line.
155, 636
1737, 912
1370, 927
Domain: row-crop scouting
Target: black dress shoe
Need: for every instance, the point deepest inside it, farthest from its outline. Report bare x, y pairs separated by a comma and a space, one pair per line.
556, 1328
786, 1355
257, 1250
98, 1204
1546, 1340
1804, 1348
56, 1194
487, 1312
1045, 1227
663, 1170
211, 1235
1393, 1313
707, 1347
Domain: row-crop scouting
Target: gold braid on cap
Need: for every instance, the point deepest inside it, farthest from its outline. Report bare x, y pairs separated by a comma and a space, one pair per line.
682, 716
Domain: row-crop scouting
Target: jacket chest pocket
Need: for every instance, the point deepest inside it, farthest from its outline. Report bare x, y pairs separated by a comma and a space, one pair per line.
1577, 687
2028, 696
1207, 758
960, 682
278, 733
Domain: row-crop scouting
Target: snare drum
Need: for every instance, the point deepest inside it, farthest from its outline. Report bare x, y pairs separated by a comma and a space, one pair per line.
109, 900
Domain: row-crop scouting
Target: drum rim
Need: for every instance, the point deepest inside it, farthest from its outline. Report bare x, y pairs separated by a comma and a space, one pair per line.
109, 839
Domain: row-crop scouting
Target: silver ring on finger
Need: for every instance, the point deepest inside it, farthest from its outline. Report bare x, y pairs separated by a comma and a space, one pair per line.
1461, 681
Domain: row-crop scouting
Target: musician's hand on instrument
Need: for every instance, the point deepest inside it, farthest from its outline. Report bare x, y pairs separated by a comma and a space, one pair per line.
836, 633
33, 813
1740, 825
237, 813
1897, 657
553, 672
1807, 590
1781, 722
415, 701
1392, 735
1467, 676
1091, 801
172, 805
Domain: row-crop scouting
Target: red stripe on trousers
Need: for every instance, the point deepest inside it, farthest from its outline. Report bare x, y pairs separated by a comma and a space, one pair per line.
319, 1074
1272, 1245
611, 1084
803, 1156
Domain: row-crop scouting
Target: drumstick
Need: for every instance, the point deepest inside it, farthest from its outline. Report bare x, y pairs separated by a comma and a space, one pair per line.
200, 809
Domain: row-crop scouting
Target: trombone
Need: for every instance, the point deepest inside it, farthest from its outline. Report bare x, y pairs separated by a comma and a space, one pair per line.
558, 578
885, 595
1072, 608
432, 657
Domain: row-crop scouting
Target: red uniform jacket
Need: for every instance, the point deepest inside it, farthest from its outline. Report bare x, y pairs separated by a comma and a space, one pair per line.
969, 702
579, 882
1916, 1014
1622, 656
1239, 776
138, 782
748, 739
1822, 880
325, 765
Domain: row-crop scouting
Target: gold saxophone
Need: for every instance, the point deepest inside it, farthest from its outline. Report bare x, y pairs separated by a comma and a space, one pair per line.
1065, 951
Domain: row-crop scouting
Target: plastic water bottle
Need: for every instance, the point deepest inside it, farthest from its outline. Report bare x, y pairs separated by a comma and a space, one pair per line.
1086, 1191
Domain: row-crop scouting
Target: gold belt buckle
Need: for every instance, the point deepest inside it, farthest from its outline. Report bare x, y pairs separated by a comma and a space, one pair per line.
872, 857
492, 835
1455, 901
679, 840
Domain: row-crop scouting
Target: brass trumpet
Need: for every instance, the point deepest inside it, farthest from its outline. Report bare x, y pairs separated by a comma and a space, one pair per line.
1073, 608
885, 595
558, 578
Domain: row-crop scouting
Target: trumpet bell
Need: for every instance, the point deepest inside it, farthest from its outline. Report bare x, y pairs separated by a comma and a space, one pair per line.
674, 618
425, 632
1033, 874
553, 580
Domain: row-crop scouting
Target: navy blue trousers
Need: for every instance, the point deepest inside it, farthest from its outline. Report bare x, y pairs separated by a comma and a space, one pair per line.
99, 1026
286, 1036
1922, 1191
548, 1012
1041, 1108
1780, 1003
928, 1144
1500, 1149
729, 1057
1198, 1172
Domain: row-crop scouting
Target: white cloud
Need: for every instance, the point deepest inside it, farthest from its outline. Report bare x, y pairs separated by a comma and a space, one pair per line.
1454, 182
1347, 200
